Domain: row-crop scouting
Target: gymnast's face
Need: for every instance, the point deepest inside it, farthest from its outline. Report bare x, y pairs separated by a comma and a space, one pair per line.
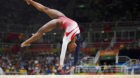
72, 46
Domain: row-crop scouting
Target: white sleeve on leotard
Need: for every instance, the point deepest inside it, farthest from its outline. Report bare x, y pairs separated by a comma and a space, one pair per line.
66, 40
64, 49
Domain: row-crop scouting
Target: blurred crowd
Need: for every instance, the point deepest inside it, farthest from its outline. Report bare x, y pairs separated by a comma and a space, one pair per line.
98, 10
32, 63
17, 16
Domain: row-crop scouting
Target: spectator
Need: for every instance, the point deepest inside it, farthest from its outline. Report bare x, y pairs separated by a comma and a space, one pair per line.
48, 71
23, 71
29, 70
105, 68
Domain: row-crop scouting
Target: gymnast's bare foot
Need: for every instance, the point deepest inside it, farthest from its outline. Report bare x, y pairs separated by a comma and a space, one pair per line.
60, 67
28, 1
24, 44
71, 69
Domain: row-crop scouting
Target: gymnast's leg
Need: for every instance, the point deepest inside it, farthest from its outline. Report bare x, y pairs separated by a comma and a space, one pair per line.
52, 13
45, 28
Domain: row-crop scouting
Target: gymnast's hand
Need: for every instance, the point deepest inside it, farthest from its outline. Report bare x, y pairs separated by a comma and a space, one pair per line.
28, 1
24, 44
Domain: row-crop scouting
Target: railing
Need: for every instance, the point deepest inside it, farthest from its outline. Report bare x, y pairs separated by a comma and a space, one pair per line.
127, 66
98, 45
99, 69
104, 45
35, 44
87, 60
127, 70
110, 69
123, 59
99, 25
97, 57
133, 62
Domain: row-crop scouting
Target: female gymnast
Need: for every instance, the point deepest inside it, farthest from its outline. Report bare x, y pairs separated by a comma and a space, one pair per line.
71, 37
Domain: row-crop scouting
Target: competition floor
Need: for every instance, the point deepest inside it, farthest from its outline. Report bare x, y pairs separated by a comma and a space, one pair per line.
71, 76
